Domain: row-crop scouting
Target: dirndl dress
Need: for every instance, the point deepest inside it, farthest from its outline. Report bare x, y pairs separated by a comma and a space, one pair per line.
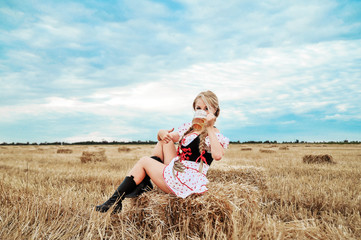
192, 180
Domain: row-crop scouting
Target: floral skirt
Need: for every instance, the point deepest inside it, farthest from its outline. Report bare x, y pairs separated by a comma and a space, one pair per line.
188, 182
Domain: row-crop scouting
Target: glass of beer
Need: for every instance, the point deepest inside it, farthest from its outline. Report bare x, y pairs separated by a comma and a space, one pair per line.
199, 120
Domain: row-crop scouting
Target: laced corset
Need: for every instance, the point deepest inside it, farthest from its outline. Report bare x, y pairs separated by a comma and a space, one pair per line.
191, 152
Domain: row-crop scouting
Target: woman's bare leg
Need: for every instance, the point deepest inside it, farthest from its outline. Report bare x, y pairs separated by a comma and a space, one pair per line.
166, 151
151, 167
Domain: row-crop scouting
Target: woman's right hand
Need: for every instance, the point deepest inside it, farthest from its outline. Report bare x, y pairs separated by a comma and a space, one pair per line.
165, 135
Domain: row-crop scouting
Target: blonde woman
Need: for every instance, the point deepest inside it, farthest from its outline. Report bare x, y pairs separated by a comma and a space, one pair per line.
180, 171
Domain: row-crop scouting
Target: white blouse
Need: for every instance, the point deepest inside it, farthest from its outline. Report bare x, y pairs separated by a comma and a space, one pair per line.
224, 141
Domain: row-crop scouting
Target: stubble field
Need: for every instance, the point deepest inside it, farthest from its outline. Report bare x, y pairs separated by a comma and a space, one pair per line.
255, 192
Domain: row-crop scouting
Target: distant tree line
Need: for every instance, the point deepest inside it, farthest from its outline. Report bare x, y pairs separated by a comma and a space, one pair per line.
82, 143
154, 142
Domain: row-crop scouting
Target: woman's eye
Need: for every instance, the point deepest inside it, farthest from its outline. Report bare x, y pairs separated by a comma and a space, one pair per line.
206, 109
198, 108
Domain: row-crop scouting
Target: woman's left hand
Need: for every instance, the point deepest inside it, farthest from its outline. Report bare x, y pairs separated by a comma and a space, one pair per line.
210, 120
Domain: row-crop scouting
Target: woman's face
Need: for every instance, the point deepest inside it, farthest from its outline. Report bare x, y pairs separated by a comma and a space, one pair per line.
200, 105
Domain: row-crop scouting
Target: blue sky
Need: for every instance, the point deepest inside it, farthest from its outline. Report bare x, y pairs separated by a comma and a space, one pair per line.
120, 70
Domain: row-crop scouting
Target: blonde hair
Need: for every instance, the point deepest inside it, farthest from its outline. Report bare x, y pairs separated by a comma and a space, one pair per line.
211, 101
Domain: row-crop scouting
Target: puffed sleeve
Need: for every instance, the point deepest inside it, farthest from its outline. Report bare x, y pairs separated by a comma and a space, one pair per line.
224, 141
183, 128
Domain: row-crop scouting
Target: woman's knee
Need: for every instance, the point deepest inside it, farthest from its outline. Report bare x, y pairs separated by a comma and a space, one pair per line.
143, 160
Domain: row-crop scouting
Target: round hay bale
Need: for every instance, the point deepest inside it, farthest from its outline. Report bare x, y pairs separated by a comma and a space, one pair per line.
267, 151
283, 148
255, 176
124, 149
246, 149
270, 146
194, 214
242, 196
205, 216
323, 158
91, 156
64, 150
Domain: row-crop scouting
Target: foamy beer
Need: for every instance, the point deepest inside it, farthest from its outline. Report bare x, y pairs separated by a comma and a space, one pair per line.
199, 120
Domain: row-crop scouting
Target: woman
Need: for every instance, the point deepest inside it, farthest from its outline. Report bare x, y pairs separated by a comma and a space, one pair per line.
181, 172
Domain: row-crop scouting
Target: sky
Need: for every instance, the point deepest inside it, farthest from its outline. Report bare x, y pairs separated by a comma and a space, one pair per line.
121, 70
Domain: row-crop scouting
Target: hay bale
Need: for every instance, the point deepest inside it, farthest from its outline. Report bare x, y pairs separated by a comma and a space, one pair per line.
92, 156
270, 146
266, 151
255, 176
37, 150
323, 158
124, 149
246, 149
203, 216
283, 148
64, 150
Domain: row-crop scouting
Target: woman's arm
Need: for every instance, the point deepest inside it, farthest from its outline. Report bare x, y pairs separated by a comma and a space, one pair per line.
217, 150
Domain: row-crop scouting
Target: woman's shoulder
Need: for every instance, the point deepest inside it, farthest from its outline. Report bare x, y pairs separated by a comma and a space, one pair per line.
183, 128
223, 140
216, 130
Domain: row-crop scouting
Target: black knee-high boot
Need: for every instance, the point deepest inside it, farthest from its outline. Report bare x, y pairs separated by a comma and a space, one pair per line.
127, 186
145, 185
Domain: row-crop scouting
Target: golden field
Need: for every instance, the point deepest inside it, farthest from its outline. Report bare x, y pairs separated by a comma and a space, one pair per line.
256, 192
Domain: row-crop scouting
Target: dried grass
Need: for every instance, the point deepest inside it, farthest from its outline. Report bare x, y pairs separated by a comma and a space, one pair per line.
206, 216
124, 149
37, 150
283, 148
323, 158
266, 151
49, 196
93, 156
64, 150
255, 176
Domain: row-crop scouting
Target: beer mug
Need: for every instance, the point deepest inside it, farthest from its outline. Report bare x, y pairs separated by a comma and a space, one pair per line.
199, 120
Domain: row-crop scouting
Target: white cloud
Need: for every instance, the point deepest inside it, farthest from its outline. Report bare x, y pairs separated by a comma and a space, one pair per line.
232, 117
11, 13
342, 107
288, 122
129, 101
343, 117
271, 81
93, 136
335, 116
